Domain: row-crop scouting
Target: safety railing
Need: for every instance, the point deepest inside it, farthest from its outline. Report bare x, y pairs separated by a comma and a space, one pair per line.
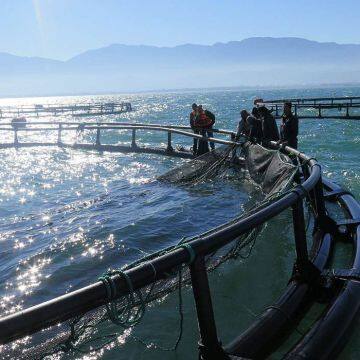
98, 128
80, 109
317, 104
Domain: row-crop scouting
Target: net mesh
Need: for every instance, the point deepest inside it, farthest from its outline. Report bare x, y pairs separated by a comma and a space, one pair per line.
201, 168
271, 171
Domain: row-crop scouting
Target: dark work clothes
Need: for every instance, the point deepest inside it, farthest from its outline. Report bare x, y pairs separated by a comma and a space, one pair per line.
203, 146
289, 130
255, 128
192, 124
209, 133
269, 128
208, 130
242, 129
200, 147
192, 119
251, 128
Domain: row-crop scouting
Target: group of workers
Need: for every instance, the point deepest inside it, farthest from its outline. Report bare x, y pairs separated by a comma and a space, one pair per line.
259, 126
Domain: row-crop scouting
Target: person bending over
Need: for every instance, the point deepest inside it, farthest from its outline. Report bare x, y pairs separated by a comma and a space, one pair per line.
249, 126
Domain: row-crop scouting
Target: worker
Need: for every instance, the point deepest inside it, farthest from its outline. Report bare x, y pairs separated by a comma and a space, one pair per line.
289, 127
270, 130
204, 121
193, 115
243, 128
249, 126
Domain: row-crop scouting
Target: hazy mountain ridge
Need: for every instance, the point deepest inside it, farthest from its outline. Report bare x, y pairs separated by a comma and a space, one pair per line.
254, 50
253, 61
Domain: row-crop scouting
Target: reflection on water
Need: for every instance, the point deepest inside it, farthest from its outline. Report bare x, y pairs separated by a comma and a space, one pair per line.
66, 216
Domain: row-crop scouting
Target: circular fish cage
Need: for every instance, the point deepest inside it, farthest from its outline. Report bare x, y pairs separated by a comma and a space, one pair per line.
314, 279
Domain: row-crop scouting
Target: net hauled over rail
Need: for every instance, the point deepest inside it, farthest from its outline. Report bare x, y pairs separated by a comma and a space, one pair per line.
272, 171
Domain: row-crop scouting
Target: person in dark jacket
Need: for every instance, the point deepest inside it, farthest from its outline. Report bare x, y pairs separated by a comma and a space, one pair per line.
193, 115
289, 128
269, 127
243, 128
249, 126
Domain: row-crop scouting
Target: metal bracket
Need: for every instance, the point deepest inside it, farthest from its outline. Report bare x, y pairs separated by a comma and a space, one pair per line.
348, 222
342, 274
333, 195
307, 272
327, 224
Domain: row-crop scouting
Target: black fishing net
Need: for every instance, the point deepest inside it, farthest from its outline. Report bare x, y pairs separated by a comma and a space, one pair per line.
201, 168
108, 325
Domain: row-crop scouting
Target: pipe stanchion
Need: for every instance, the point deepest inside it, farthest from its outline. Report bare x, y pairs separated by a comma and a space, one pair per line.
98, 143
16, 140
209, 345
169, 147
300, 236
133, 139
59, 133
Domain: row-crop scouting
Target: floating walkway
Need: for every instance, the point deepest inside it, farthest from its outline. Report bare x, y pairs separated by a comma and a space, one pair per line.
314, 278
81, 109
347, 108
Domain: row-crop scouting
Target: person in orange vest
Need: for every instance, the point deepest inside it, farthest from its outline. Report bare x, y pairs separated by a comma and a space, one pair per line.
205, 121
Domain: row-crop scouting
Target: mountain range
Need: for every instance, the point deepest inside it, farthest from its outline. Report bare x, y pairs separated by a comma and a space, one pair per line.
261, 61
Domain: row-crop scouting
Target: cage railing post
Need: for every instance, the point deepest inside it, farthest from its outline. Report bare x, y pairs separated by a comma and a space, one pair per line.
98, 143
169, 147
233, 153
16, 140
209, 345
302, 258
133, 140
319, 199
59, 134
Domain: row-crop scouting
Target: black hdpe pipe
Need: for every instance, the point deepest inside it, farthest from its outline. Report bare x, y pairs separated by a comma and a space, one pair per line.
78, 302
327, 337
278, 320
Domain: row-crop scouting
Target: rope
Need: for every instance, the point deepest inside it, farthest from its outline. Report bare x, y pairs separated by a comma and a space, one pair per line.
190, 251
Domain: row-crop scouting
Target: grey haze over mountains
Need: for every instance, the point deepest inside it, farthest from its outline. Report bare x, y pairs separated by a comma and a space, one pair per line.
120, 68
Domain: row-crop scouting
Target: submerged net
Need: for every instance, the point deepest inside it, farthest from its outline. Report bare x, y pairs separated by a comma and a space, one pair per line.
203, 167
271, 171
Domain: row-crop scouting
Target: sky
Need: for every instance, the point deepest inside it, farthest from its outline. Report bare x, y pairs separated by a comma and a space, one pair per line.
60, 29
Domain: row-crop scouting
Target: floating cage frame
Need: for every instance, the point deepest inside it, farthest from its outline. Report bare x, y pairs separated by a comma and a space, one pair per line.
311, 278
341, 107
76, 110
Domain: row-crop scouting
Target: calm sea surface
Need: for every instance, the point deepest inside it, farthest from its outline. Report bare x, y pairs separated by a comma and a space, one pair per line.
66, 216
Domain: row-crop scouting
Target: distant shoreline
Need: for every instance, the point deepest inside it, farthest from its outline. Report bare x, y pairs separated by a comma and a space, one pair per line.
182, 90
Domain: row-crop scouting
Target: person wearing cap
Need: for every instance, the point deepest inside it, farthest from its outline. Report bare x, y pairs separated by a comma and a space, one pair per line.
269, 127
289, 127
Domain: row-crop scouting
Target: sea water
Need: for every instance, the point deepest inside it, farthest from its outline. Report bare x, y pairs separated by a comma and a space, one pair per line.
67, 216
